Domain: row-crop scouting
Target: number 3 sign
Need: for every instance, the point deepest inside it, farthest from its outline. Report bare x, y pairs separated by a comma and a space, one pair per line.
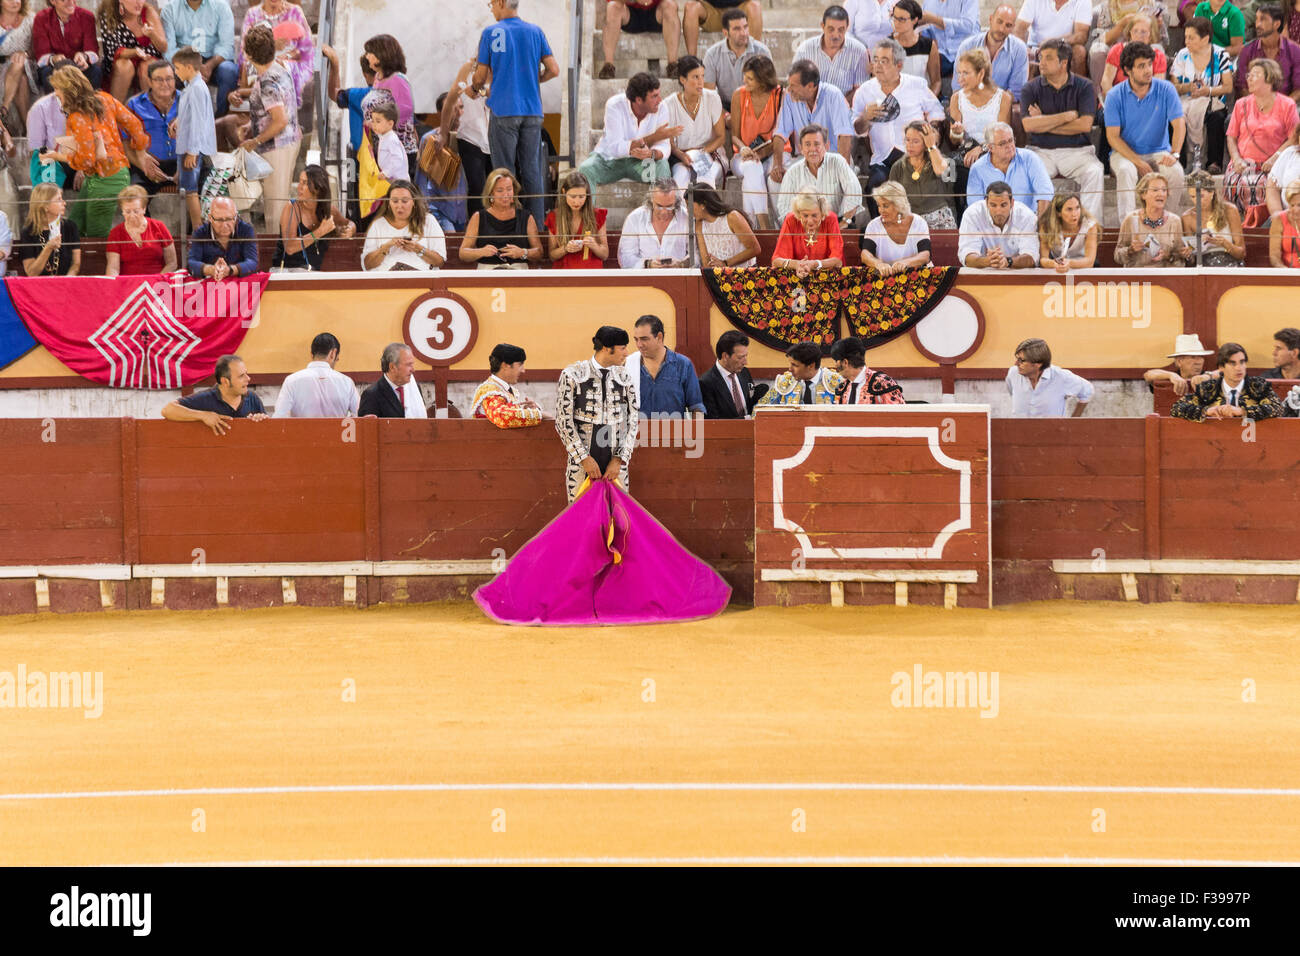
440, 328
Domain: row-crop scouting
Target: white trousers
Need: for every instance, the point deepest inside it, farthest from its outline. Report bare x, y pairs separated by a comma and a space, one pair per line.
753, 175
1081, 164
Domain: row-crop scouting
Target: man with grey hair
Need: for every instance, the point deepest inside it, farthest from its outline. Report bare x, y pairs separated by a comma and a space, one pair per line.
828, 173
656, 235
396, 394
1022, 170
885, 104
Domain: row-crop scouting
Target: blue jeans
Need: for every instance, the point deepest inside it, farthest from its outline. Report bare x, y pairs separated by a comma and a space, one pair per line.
226, 76
516, 143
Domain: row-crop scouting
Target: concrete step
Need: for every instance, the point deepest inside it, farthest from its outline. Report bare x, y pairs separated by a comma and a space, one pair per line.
645, 51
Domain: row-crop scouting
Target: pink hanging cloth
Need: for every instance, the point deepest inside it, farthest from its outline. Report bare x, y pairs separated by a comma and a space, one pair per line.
603, 560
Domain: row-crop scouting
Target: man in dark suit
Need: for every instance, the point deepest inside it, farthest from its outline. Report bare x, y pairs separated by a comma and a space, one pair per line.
396, 394
728, 388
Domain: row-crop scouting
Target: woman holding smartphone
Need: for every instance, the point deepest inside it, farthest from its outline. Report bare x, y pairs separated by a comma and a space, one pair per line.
49, 245
1223, 244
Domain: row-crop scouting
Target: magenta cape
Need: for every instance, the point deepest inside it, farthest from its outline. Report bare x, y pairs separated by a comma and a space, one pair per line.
603, 560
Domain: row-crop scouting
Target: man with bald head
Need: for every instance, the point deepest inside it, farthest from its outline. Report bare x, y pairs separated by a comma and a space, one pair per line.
224, 247
1006, 51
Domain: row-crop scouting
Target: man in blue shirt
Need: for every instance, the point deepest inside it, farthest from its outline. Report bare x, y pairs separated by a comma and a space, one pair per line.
511, 52
209, 27
156, 108
1007, 53
1022, 170
665, 380
809, 101
224, 247
215, 407
1139, 114
949, 23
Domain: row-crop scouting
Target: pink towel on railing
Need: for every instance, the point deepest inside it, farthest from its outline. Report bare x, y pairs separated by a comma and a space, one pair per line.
603, 560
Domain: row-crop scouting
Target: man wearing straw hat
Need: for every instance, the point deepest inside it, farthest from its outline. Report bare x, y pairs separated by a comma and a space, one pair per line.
1189, 365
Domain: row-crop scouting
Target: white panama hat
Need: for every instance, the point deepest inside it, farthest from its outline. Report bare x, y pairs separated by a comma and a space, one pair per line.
1188, 345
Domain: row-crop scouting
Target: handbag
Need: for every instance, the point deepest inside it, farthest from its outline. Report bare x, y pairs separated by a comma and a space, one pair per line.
441, 165
255, 167
240, 188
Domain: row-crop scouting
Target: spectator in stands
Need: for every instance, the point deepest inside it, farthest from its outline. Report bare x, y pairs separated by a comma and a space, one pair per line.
45, 124
1070, 20
1189, 366
1139, 30
1227, 24
862, 385
497, 400
753, 128
1039, 389
1223, 244
840, 59
1284, 231
827, 174
193, 131
711, 15
998, 233
808, 100
656, 235
224, 247
49, 245
396, 394
273, 129
810, 238
504, 235
64, 34
728, 387
352, 98
209, 27
1059, 111
405, 236
1292, 19
387, 63
1202, 73
1286, 354
1263, 124
95, 118
138, 245
294, 49
1021, 169
444, 192
665, 381
1150, 236
1284, 172
885, 104
633, 145
1067, 235
6, 243
920, 52
157, 108
696, 151
575, 229
722, 234
807, 383
511, 53
869, 21
921, 172
898, 239
389, 155
133, 37
15, 52
1114, 19
976, 104
1139, 115
467, 116
230, 398
951, 23
318, 391
727, 60
307, 223
640, 16
1007, 54
1234, 395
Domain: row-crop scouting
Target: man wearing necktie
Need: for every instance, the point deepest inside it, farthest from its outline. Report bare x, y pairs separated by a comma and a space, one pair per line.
862, 385
727, 388
596, 413
807, 383
396, 394
1234, 395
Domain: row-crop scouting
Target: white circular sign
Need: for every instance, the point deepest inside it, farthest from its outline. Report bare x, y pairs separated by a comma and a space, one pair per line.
950, 330
440, 330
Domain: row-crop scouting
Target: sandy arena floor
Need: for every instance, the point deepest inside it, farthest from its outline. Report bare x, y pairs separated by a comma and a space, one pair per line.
762, 734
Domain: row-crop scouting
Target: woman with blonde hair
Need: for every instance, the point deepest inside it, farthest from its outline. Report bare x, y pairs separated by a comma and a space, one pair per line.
1067, 235
133, 37
1223, 244
1284, 232
1263, 124
1140, 29
810, 236
97, 123
976, 104
576, 236
504, 234
138, 245
898, 239
1150, 237
1114, 18
49, 245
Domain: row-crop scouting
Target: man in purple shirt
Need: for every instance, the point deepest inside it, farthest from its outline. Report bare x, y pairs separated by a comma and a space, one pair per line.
1271, 43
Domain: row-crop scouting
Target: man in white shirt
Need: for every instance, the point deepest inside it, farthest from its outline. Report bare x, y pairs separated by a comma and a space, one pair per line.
396, 394
886, 103
656, 235
1039, 389
1285, 171
1068, 20
634, 143
869, 21
998, 233
318, 391
840, 58
828, 173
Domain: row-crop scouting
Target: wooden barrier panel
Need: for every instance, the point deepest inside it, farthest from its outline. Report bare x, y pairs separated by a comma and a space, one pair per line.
866, 504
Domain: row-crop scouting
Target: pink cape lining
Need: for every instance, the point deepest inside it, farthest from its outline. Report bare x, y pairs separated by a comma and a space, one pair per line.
567, 574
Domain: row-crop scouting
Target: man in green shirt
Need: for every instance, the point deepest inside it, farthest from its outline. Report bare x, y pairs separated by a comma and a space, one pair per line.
1229, 25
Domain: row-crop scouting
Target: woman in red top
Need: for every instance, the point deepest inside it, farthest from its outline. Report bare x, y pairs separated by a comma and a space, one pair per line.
810, 236
138, 245
578, 239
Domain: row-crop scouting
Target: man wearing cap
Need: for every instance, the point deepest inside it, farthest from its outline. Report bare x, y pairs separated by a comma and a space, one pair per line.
1189, 363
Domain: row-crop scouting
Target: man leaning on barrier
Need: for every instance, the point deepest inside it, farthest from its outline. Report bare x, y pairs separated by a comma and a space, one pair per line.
215, 407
